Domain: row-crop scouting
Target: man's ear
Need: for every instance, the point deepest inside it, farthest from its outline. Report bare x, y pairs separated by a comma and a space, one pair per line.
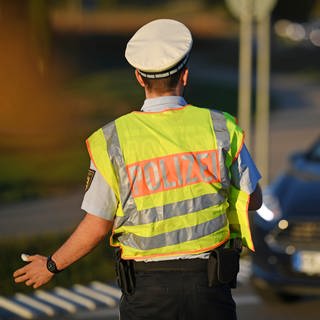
185, 76
139, 78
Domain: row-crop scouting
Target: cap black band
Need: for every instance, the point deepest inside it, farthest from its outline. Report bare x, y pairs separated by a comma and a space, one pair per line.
168, 73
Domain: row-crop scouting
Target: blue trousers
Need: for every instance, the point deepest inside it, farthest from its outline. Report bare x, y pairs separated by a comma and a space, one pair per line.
176, 295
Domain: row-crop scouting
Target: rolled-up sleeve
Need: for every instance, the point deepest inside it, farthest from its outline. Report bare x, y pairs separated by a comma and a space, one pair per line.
244, 173
99, 198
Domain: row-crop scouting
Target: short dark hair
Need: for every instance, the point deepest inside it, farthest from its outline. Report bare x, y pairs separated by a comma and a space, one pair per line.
163, 85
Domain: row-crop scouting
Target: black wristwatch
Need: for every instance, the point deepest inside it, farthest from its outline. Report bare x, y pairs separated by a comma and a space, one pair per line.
51, 265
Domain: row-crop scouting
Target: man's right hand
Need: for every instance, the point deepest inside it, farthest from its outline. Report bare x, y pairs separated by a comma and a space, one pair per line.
35, 273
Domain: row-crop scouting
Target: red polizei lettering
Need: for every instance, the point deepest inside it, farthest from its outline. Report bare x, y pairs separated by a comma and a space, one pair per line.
173, 171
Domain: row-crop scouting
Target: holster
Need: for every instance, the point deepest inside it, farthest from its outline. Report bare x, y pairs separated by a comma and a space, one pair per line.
223, 264
124, 274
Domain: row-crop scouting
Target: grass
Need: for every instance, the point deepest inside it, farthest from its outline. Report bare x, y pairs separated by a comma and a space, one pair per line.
98, 265
25, 176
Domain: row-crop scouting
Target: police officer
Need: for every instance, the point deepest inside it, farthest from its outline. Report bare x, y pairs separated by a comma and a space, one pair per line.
174, 182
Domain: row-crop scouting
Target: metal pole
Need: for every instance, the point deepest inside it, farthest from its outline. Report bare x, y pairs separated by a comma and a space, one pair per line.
262, 99
245, 70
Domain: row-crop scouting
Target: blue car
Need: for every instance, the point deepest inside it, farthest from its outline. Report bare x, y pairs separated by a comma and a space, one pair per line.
286, 232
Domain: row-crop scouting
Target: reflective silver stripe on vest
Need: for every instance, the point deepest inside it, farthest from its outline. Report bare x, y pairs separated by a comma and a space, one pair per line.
174, 237
117, 160
134, 217
170, 210
223, 142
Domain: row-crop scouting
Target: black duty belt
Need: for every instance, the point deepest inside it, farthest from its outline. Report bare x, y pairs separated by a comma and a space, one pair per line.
172, 265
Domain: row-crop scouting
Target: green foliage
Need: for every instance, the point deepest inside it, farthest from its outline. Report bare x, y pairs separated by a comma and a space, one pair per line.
33, 175
98, 265
213, 95
111, 87
116, 92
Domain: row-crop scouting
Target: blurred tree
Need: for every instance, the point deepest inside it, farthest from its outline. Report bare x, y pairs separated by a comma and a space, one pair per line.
28, 80
144, 3
15, 9
107, 3
316, 11
37, 125
295, 10
33, 18
72, 4
210, 3
40, 32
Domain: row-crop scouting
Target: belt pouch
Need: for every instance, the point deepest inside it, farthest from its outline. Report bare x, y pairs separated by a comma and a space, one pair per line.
125, 275
223, 266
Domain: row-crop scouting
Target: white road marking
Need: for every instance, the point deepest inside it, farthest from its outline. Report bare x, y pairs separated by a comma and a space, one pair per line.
71, 308
95, 295
49, 311
68, 294
106, 289
16, 308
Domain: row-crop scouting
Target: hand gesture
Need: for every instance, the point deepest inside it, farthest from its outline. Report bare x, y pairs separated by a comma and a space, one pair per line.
35, 273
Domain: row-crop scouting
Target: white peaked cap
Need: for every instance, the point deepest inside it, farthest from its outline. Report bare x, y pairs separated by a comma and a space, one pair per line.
159, 48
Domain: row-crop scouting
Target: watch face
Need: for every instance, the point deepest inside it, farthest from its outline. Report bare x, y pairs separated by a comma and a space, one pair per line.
51, 266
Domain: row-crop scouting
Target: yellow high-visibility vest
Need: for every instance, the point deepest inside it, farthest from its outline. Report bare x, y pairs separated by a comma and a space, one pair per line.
170, 172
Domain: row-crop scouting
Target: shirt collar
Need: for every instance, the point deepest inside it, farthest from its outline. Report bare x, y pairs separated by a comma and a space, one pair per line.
162, 103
